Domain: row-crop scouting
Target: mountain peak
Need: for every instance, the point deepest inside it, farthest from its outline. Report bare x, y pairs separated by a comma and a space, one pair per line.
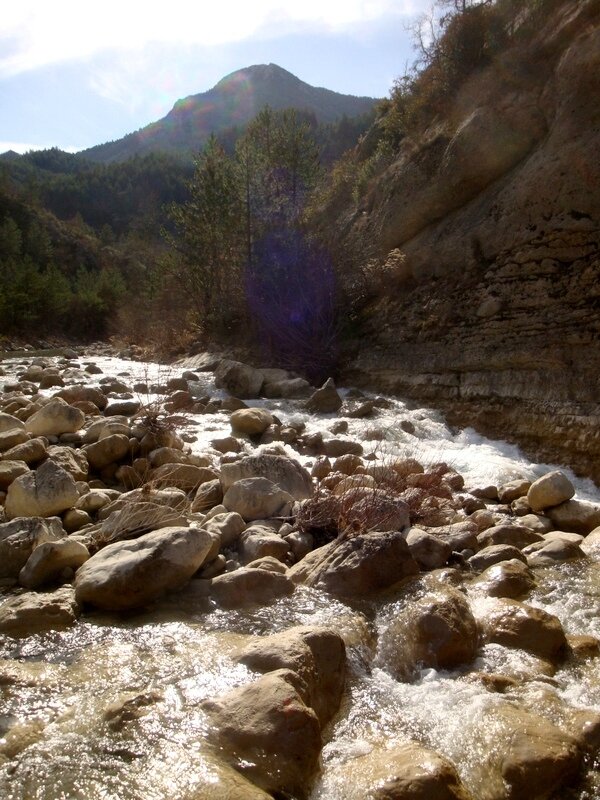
232, 102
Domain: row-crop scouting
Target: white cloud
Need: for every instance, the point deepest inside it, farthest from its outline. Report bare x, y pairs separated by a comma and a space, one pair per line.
25, 147
36, 33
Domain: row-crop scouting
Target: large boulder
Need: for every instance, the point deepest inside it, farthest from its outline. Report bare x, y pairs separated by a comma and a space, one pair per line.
438, 630
250, 421
54, 418
8, 422
287, 473
107, 451
363, 565
577, 516
317, 655
9, 470
183, 476
72, 460
228, 526
49, 559
516, 535
403, 772
516, 624
510, 578
83, 394
552, 552
269, 733
550, 490
20, 536
36, 612
249, 586
325, 400
48, 491
12, 438
133, 573
524, 757
258, 541
428, 550
256, 498
30, 452
240, 380
495, 554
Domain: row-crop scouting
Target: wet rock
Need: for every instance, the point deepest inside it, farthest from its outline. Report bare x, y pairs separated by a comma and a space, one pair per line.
256, 498
49, 559
267, 732
516, 535
125, 710
429, 551
437, 630
317, 655
54, 418
9, 470
36, 612
131, 574
43, 493
494, 554
403, 772
510, 579
240, 380
550, 553
357, 566
246, 587
515, 624
334, 448
325, 400
550, 490
576, 516
226, 444
19, 537
250, 421
287, 473
535, 760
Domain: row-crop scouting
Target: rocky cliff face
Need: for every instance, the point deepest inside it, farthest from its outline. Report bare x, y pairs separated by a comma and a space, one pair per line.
496, 317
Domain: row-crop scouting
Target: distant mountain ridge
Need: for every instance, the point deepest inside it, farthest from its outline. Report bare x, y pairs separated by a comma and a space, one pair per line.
234, 101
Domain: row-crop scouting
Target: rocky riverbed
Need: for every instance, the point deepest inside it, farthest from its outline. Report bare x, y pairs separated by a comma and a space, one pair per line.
220, 582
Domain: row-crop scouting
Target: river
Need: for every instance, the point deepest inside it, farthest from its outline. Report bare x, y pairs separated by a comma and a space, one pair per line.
56, 687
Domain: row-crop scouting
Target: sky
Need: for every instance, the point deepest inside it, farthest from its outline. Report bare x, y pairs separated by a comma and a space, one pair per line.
75, 73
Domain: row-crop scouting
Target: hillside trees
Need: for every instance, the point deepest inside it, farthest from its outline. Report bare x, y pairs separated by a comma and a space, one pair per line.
241, 246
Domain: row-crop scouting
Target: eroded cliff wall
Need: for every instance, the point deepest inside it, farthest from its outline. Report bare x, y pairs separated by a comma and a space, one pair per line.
496, 318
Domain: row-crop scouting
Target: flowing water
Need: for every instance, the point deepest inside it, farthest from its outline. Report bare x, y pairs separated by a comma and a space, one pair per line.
63, 734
